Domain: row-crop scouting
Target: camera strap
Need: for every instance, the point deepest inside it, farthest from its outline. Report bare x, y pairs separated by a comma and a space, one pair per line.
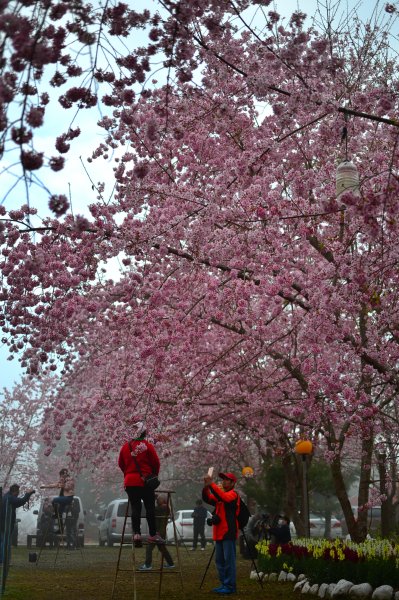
135, 460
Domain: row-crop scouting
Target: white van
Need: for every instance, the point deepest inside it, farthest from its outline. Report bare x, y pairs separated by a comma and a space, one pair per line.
111, 523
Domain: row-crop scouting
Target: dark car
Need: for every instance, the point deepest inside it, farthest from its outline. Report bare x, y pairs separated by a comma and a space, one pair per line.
47, 525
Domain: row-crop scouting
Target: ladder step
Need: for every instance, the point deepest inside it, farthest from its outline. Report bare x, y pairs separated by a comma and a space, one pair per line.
161, 547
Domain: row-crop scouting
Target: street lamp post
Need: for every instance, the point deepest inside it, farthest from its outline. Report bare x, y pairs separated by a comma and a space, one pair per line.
304, 448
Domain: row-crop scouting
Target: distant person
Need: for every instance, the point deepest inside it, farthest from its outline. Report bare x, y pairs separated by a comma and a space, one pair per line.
10, 503
281, 533
46, 524
162, 514
66, 484
71, 524
199, 516
255, 531
225, 528
137, 459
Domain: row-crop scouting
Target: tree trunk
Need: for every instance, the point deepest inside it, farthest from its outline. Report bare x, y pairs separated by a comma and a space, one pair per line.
291, 483
387, 505
342, 496
327, 527
296, 484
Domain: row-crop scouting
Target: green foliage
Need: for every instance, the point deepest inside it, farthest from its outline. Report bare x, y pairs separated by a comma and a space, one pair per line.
268, 488
322, 498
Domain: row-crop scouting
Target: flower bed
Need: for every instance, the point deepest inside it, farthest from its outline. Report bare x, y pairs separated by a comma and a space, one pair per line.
327, 561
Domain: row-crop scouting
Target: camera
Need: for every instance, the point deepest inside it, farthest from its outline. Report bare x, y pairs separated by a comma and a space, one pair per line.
214, 520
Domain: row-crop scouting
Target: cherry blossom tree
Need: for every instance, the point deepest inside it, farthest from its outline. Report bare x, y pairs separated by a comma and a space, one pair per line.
21, 414
251, 300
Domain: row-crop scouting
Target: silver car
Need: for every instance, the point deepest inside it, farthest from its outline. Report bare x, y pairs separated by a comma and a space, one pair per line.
111, 523
317, 527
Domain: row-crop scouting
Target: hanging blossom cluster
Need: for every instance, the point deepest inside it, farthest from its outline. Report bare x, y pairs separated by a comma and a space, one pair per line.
48, 41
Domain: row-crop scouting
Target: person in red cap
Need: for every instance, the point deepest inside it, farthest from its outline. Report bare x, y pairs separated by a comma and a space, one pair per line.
225, 528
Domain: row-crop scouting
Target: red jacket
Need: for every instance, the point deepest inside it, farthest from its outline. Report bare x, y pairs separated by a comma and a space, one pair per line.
146, 457
227, 507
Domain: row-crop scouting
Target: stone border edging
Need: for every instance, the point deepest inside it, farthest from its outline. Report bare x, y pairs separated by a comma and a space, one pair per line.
331, 591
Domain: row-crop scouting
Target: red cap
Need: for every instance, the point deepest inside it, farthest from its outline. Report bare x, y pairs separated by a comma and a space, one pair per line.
230, 476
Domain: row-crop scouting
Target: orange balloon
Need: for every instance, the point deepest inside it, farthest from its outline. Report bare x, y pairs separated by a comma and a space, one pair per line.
303, 447
248, 472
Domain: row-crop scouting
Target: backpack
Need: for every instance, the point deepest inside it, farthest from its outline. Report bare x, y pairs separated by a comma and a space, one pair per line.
243, 514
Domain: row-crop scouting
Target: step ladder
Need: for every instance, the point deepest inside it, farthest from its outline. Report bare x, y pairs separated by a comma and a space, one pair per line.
64, 537
135, 570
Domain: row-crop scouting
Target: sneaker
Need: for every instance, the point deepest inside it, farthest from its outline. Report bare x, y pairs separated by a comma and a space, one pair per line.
169, 566
145, 567
221, 587
137, 540
155, 539
193, 548
225, 590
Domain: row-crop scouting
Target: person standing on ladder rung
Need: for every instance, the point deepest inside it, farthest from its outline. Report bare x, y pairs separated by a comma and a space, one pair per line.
66, 483
137, 460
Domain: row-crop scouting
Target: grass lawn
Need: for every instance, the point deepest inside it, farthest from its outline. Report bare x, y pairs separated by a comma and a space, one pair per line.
90, 576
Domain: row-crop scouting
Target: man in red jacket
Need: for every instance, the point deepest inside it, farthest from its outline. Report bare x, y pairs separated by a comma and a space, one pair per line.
137, 459
225, 528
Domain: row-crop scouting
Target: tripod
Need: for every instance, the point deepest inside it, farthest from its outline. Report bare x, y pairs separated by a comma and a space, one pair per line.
250, 554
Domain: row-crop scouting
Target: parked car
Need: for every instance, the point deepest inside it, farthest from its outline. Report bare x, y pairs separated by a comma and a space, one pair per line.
111, 523
45, 528
373, 520
185, 527
317, 527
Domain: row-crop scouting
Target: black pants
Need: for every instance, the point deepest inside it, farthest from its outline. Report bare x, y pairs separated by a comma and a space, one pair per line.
136, 495
199, 530
163, 550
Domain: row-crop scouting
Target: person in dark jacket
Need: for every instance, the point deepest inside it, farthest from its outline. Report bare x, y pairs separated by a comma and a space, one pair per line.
199, 515
137, 459
10, 503
225, 528
281, 533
